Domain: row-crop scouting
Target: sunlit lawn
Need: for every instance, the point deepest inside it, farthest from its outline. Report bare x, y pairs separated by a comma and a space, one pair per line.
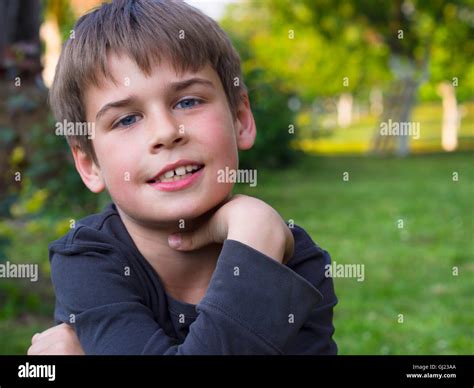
407, 271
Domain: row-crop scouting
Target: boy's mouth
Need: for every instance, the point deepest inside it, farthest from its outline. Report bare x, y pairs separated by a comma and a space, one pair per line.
176, 171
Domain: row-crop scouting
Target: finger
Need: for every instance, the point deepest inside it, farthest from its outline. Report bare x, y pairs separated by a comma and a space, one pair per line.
55, 329
189, 241
48, 347
42, 349
38, 348
57, 332
35, 338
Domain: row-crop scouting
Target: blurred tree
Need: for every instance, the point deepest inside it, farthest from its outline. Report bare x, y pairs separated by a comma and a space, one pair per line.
29, 148
22, 94
323, 48
416, 32
309, 62
412, 31
19, 24
452, 67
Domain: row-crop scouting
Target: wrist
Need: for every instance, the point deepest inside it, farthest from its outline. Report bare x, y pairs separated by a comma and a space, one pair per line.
264, 237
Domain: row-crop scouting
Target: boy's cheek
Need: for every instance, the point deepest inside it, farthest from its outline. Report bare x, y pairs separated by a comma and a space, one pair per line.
214, 127
118, 175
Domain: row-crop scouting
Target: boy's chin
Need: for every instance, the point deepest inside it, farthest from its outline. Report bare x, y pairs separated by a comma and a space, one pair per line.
184, 215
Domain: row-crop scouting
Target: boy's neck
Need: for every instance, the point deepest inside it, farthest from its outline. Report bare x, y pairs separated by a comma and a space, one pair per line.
185, 275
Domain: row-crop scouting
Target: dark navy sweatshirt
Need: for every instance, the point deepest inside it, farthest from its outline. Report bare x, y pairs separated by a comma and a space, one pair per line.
115, 300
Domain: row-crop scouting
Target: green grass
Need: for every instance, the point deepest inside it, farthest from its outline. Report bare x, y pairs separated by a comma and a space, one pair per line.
407, 271
15, 337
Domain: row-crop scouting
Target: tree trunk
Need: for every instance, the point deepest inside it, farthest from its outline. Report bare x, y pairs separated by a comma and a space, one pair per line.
344, 110
376, 102
22, 99
399, 105
408, 101
449, 137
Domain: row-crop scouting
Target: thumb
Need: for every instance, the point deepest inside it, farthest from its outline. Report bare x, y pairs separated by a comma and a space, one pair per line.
189, 241
35, 337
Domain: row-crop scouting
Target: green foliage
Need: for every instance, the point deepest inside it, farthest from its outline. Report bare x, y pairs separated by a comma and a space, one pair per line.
452, 53
20, 332
313, 53
332, 40
46, 164
50, 194
50, 167
25, 238
269, 103
272, 118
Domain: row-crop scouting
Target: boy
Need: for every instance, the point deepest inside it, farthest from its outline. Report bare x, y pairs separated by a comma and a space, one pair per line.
176, 265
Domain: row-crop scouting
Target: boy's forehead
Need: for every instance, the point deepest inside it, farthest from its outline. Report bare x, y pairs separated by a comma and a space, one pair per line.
124, 77
121, 70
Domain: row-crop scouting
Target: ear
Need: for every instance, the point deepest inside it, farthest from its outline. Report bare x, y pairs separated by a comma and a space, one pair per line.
245, 124
88, 170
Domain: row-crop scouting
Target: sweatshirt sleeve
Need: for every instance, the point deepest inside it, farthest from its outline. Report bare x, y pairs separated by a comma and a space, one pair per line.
316, 335
253, 305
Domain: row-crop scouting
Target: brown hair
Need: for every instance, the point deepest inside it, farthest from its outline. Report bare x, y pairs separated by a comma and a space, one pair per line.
147, 31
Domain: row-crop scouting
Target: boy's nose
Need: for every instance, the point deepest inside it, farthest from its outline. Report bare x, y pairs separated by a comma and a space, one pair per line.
166, 133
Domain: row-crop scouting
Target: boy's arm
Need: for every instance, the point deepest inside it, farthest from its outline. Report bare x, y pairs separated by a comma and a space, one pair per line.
244, 219
256, 309
254, 305
316, 335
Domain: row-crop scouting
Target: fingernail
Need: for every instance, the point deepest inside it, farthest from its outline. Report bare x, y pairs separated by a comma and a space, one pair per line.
174, 240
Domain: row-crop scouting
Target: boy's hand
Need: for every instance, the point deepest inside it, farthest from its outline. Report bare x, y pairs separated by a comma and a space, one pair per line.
244, 219
57, 340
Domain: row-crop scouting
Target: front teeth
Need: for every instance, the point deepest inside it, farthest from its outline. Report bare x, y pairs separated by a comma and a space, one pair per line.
177, 173
168, 174
180, 171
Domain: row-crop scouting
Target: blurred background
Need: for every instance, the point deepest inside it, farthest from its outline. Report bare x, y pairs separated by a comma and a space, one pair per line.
324, 76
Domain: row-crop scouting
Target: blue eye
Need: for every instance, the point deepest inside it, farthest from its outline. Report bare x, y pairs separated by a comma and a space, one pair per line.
126, 121
188, 103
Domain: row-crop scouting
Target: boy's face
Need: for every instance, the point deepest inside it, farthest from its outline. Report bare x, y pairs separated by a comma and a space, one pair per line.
144, 124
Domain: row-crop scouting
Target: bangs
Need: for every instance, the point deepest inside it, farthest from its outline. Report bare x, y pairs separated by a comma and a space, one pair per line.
138, 30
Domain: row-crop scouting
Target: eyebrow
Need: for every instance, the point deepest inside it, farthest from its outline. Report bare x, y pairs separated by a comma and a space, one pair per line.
178, 86
115, 104
175, 86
